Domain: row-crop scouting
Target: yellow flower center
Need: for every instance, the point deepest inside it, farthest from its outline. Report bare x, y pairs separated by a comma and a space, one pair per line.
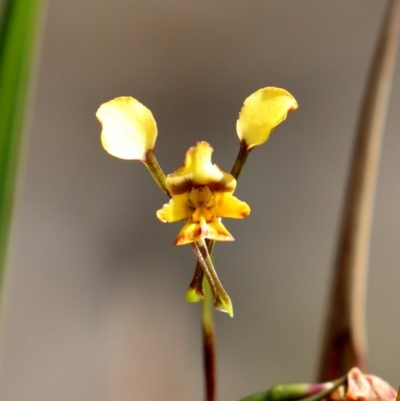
201, 199
201, 195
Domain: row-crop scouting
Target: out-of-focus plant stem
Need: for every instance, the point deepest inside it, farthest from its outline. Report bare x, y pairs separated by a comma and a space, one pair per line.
19, 31
345, 339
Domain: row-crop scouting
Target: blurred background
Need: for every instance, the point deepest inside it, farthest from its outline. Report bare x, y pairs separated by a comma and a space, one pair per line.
96, 307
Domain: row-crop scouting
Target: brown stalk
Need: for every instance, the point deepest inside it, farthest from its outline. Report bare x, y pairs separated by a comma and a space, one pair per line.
345, 339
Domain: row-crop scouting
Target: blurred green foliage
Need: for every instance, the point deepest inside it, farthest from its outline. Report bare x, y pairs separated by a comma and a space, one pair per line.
18, 33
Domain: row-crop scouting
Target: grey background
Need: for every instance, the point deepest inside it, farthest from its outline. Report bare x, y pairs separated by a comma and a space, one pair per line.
96, 306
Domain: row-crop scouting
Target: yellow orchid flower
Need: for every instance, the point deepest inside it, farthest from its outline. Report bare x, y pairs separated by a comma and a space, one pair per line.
262, 111
201, 194
129, 129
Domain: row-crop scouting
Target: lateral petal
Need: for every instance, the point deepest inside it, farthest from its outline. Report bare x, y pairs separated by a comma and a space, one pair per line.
129, 129
227, 205
176, 209
262, 112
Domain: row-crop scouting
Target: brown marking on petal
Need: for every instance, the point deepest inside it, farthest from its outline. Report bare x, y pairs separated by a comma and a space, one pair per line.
179, 240
180, 185
217, 236
225, 184
185, 239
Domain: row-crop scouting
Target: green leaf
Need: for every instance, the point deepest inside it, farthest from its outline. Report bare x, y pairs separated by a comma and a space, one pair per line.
18, 33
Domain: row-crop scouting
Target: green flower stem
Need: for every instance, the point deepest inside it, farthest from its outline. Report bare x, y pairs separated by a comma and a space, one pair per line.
298, 391
209, 346
209, 349
214, 295
209, 294
156, 171
18, 38
240, 160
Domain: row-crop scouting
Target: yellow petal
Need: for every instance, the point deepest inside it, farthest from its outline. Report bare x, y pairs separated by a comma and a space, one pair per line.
191, 232
229, 206
177, 209
201, 213
129, 128
262, 112
198, 170
218, 232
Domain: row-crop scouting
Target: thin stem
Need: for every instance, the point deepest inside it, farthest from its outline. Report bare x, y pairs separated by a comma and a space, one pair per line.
240, 160
209, 348
345, 340
156, 171
214, 295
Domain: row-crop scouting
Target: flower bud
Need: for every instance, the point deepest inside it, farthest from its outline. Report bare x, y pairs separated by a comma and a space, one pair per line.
362, 387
